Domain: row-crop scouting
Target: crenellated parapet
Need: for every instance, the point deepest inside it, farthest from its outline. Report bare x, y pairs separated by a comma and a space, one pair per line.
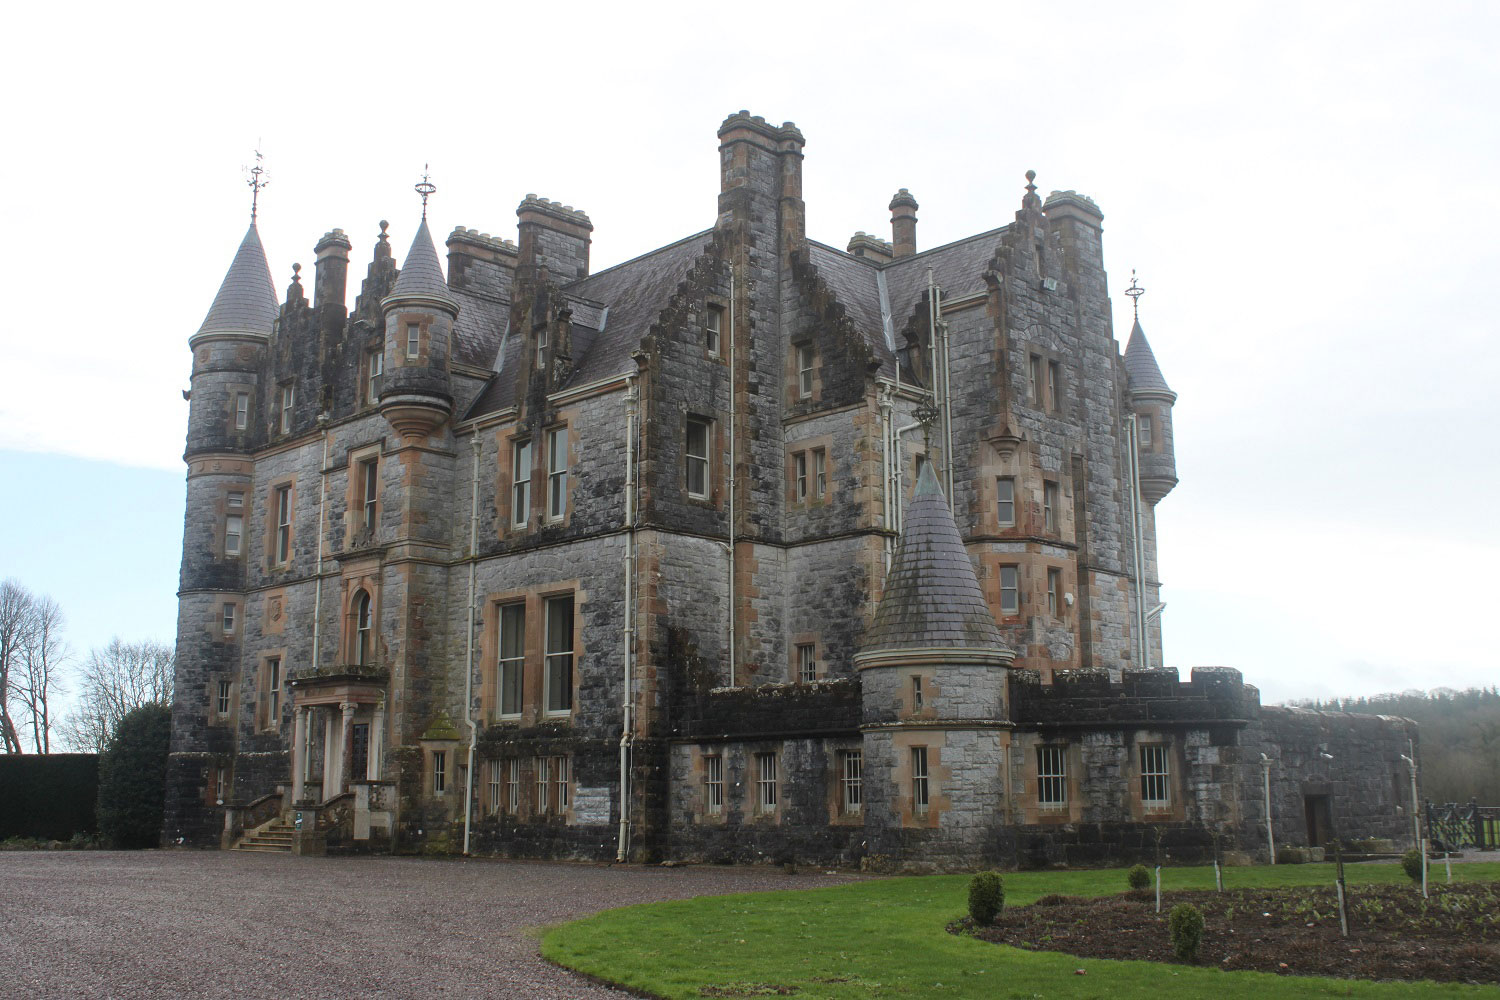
1141, 698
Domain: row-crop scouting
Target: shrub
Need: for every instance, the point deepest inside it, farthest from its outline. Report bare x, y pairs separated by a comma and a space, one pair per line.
1139, 877
1186, 926
986, 897
132, 778
1411, 863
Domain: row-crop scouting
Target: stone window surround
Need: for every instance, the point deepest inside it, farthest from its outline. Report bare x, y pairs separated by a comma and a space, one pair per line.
756, 783
231, 619
839, 811
286, 402
264, 722
714, 306
233, 392
1174, 809
372, 367
902, 745
1153, 414
354, 490
1042, 400
364, 579
533, 707
273, 523
930, 692
714, 475
224, 511
795, 395
794, 663
807, 447
215, 716
423, 323
570, 461
1032, 811
699, 783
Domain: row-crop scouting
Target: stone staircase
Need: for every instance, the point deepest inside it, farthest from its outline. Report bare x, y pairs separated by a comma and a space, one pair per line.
273, 838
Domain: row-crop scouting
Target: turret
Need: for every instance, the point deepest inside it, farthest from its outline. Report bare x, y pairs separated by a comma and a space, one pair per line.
1151, 400
933, 675
416, 394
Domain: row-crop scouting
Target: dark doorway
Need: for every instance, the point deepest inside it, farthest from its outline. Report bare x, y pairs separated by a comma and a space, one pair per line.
1319, 819
359, 752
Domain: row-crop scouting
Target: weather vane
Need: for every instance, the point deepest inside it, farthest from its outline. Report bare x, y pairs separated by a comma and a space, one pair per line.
258, 180
1135, 292
425, 188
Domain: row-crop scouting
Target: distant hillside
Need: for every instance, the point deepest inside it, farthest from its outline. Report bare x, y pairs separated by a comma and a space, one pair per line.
1460, 737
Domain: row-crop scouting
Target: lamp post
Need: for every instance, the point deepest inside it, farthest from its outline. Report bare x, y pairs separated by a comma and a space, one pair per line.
1265, 763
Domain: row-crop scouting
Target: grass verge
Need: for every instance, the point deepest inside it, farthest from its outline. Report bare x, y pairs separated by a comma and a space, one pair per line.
886, 938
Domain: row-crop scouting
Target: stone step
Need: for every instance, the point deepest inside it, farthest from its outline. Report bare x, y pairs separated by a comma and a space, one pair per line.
264, 849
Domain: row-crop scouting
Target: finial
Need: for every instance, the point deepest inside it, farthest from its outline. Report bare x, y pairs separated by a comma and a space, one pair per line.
296, 274
1135, 291
384, 225
257, 180
425, 188
1030, 187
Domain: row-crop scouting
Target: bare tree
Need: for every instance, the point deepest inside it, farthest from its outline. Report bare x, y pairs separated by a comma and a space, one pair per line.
113, 680
15, 625
42, 655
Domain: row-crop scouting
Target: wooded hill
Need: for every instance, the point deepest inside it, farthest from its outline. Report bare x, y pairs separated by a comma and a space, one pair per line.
1459, 750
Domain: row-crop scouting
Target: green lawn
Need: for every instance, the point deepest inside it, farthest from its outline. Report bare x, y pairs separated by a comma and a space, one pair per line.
886, 938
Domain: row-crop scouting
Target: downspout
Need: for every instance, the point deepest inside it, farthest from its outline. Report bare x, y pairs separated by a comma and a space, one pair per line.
932, 349
469, 673
887, 494
628, 638
306, 749
937, 310
1133, 462
733, 419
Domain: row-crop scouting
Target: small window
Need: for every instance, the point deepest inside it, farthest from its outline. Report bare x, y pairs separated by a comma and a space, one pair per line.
1051, 776
520, 478
557, 473
820, 472
560, 783
918, 699
439, 771
512, 657
513, 785
228, 619
369, 479
852, 781
1034, 380
286, 409
219, 775
234, 529
543, 767
713, 784
364, 630
413, 340
697, 457
1010, 590
765, 782
283, 523
559, 672
273, 693
1005, 501
241, 410
496, 769
1054, 386
541, 349
377, 369
1154, 776
1049, 506
234, 499
221, 702
805, 357
1054, 592
713, 327
807, 662
1143, 423
799, 464
919, 796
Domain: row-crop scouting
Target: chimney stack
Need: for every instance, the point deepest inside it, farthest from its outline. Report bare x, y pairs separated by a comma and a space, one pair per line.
332, 270
862, 244
903, 224
554, 236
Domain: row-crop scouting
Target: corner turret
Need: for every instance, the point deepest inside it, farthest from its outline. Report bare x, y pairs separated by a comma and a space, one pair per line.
416, 394
1151, 399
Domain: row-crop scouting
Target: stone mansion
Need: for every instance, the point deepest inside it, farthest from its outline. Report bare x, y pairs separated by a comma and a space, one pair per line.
749, 548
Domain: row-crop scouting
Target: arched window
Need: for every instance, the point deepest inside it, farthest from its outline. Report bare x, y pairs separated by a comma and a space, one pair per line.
364, 649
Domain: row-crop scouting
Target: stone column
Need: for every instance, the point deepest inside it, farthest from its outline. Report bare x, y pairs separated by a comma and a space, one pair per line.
346, 745
299, 753
377, 746
330, 774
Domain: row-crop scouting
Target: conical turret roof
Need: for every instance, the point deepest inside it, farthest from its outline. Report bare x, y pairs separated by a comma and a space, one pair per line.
246, 302
421, 274
932, 598
1140, 363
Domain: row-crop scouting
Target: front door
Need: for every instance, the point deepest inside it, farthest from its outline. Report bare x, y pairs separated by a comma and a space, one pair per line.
359, 752
1319, 819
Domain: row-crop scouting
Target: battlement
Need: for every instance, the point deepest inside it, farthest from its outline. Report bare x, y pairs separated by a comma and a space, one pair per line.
556, 210
1064, 204
1140, 697
862, 244
744, 120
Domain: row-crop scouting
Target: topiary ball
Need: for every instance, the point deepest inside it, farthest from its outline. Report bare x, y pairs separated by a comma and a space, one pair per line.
986, 897
1138, 877
1411, 863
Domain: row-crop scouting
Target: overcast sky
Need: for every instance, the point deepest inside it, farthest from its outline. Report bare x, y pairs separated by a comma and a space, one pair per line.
1307, 190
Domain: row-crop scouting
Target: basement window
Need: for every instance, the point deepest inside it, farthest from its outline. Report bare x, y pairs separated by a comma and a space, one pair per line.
852, 781
919, 789
713, 784
1051, 776
1154, 776
765, 782
807, 662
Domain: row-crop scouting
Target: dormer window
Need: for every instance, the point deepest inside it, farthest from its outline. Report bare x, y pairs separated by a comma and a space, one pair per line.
413, 341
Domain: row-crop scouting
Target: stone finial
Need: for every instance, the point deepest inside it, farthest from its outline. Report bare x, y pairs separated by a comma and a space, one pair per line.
294, 290
383, 243
1032, 202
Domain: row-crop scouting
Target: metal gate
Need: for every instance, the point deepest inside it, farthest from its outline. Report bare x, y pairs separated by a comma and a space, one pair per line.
1466, 826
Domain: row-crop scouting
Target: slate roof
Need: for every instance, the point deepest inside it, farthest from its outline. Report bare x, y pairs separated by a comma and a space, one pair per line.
958, 268
480, 326
246, 302
1140, 364
855, 283
421, 274
932, 597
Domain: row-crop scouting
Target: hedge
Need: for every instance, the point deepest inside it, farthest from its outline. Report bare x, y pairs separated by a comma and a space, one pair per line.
48, 796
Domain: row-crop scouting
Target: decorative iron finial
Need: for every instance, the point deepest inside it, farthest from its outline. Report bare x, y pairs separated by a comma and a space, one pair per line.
1135, 291
257, 179
425, 188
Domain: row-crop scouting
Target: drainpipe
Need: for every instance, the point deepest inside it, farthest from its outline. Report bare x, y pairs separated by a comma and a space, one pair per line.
887, 494
733, 419
1265, 763
937, 310
1416, 815
469, 672
628, 638
1133, 463
322, 503
932, 347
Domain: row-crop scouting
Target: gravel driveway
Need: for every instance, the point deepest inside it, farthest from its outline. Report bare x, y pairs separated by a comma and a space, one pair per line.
93, 924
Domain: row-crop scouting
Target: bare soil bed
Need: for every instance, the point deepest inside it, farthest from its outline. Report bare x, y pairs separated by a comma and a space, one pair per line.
1393, 932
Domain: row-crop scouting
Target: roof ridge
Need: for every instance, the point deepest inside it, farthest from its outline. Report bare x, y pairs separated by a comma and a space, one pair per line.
638, 257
